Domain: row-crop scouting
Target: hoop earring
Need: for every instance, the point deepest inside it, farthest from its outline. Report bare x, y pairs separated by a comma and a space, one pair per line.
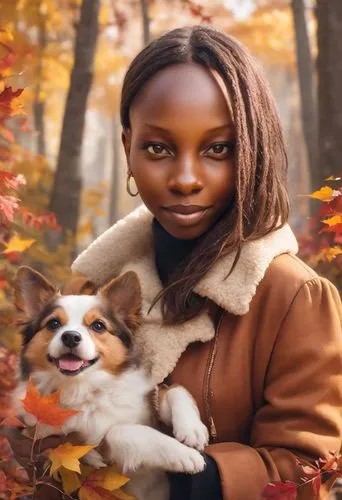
128, 187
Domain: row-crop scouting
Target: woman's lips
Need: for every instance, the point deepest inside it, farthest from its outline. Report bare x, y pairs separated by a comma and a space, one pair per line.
186, 215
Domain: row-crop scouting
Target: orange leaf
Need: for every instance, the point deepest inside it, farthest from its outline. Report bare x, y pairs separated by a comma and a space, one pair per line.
332, 221
12, 421
6, 452
90, 492
45, 408
326, 193
108, 478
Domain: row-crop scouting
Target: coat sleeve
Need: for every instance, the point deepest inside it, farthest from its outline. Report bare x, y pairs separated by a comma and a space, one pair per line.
301, 416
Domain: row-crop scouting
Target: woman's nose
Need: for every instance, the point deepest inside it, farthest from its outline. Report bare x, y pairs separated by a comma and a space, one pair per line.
185, 177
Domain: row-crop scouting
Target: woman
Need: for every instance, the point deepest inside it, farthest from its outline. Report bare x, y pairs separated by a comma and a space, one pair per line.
230, 312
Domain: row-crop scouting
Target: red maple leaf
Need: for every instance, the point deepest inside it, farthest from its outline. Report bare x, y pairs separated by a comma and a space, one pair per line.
280, 491
6, 452
8, 206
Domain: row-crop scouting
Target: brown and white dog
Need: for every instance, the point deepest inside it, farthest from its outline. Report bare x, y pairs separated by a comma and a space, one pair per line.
82, 344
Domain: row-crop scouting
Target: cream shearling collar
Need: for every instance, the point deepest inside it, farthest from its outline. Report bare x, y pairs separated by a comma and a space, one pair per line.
128, 245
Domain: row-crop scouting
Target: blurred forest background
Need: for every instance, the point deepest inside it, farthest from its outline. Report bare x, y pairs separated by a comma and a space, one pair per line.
62, 169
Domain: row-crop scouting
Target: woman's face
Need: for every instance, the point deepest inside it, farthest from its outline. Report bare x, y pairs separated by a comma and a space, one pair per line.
180, 149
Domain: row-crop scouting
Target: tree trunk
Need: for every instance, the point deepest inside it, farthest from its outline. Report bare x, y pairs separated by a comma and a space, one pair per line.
306, 86
66, 192
146, 21
329, 65
115, 178
39, 105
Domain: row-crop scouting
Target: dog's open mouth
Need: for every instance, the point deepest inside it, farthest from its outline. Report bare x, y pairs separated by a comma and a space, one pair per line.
69, 364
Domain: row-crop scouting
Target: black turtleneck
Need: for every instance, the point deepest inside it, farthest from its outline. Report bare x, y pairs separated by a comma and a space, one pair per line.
169, 252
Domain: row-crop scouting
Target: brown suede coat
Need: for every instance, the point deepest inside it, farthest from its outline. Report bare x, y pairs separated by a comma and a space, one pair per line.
266, 373
269, 384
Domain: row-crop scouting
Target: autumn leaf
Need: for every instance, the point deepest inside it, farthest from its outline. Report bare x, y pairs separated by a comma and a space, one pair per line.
280, 491
45, 408
332, 229
9, 103
326, 193
66, 455
90, 492
70, 480
332, 221
16, 244
312, 474
8, 206
121, 495
12, 421
11, 181
332, 178
6, 452
331, 253
5, 36
108, 478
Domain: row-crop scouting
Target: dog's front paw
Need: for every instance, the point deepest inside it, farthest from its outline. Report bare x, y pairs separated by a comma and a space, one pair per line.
191, 431
185, 459
94, 459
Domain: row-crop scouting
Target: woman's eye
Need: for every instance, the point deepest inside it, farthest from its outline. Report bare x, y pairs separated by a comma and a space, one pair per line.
221, 150
98, 326
53, 324
156, 149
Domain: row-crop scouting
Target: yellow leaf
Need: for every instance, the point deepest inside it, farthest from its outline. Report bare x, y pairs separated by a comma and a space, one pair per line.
5, 36
108, 478
332, 253
70, 480
85, 229
2, 86
121, 495
332, 178
332, 221
326, 193
66, 455
99, 212
16, 244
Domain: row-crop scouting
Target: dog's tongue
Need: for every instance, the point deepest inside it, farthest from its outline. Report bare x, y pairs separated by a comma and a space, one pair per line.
70, 363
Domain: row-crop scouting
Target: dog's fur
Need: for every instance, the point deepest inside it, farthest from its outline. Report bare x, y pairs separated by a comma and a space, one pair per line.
81, 343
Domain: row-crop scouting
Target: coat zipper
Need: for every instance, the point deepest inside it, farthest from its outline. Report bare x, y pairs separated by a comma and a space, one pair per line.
207, 393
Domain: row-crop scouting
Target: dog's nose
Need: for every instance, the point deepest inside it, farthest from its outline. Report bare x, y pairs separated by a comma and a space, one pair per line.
71, 339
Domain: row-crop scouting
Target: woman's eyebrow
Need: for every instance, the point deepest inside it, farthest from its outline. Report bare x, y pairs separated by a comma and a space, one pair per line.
161, 129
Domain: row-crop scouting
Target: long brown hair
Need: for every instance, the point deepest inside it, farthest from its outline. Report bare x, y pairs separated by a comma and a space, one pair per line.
260, 201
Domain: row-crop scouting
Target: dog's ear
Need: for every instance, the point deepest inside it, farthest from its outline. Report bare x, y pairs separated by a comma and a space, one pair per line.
31, 292
124, 295
79, 285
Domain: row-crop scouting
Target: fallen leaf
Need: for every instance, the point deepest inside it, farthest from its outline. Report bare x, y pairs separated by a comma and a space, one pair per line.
16, 244
70, 480
280, 491
90, 492
108, 478
121, 495
45, 408
6, 452
12, 421
66, 455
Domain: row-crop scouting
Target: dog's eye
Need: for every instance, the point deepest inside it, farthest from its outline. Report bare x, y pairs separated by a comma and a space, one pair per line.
98, 326
53, 324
